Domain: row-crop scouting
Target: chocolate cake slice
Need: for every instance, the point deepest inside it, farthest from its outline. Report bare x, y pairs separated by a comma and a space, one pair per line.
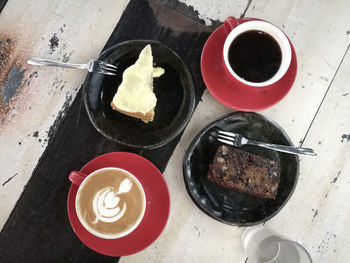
245, 172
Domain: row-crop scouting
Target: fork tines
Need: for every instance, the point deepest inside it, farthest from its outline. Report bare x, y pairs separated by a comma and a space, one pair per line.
228, 133
105, 68
225, 141
107, 65
226, 137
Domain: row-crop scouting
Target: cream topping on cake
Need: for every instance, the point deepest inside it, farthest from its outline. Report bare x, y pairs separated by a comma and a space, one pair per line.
135, 93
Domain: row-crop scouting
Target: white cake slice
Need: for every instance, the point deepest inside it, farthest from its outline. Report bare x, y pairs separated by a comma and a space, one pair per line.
135, 96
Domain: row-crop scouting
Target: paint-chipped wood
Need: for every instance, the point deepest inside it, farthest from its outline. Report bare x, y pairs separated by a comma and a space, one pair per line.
321, 42
34, 100
2, 4
320, 199
317, 30
9, 179
213, 12
43, 203
314, 114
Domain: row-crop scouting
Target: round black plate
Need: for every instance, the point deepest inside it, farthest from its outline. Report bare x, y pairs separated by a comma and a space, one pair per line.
174, 90
229, 206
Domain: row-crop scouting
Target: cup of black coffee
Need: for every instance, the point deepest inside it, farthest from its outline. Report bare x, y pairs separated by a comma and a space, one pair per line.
256, 53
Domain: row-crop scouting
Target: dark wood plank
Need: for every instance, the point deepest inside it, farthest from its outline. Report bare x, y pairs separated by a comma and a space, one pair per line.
2, 4
38, 229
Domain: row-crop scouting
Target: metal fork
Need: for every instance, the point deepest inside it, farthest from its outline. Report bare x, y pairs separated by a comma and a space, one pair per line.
91, 66
238, 140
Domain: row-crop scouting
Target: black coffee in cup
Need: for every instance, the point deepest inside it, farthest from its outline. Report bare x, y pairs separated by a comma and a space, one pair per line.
255, 56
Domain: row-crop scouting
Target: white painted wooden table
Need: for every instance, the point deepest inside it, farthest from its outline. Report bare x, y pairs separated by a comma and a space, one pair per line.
315, 114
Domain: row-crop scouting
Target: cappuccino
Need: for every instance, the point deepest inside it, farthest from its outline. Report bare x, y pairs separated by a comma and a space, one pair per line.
110, 203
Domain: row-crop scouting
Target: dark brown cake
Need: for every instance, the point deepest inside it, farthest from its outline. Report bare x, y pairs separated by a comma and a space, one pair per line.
245, 172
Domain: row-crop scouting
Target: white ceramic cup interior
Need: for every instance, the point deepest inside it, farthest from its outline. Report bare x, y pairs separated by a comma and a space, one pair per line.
273, 31
119, 235
262, 244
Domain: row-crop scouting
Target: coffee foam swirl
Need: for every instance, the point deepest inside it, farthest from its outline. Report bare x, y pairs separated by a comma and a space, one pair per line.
106, 203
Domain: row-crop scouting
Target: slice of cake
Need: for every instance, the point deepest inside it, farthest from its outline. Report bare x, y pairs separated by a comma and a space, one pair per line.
135, 96
245, 172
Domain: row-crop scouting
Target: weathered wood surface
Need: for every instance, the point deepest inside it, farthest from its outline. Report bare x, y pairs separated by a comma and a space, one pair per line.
314, 114
60, 30
318, 214
43, 202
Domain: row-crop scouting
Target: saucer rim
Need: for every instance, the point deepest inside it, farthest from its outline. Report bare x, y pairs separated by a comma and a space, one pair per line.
97, 240
290, 73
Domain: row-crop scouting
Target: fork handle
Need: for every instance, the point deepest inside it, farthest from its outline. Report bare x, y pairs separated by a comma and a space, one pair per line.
49, 62
283, 148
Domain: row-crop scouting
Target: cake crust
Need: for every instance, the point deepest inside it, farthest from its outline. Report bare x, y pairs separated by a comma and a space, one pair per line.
144, 117
245, 172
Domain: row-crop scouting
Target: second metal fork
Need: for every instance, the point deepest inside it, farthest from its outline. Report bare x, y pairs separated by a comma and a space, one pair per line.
91, 66
238, 140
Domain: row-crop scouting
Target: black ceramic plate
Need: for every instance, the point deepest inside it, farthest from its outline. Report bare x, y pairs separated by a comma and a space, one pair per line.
229, 206
174, 91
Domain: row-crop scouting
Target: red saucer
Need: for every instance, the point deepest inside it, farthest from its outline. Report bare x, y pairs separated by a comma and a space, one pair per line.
232, 93
157, 205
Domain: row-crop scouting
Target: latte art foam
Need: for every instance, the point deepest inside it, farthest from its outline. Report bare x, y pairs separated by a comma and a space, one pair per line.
110, 203
106, 201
